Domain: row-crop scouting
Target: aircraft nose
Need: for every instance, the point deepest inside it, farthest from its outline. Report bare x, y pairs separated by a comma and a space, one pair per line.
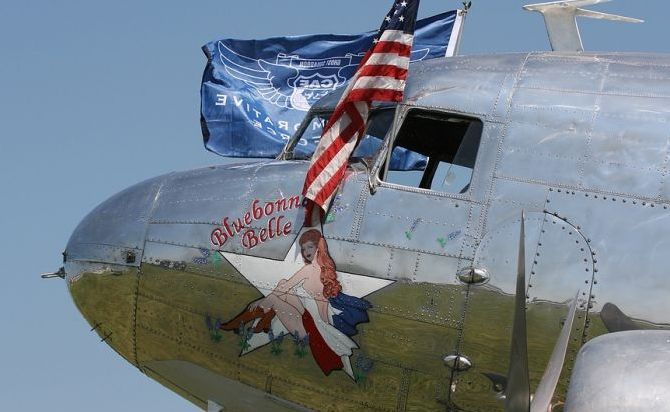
102, 261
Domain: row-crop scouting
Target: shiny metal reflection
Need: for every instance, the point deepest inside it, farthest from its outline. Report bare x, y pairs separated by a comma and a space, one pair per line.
545, 390
473, 276
457, 362
518, 388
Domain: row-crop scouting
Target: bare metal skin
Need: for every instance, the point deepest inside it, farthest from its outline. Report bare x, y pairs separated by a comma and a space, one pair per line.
579, 141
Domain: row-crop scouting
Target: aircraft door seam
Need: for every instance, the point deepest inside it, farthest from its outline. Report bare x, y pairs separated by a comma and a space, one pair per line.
586, 295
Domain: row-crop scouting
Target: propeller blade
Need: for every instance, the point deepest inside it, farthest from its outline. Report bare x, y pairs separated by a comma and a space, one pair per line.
545, 390
518, 386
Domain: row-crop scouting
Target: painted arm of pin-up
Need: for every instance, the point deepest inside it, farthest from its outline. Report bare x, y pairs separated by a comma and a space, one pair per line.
284, 286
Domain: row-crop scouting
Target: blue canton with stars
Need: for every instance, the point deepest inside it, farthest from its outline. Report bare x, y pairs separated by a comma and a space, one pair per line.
401, 17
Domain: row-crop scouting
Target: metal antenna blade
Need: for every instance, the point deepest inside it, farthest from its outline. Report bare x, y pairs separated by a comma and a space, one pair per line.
547, 386
518, 386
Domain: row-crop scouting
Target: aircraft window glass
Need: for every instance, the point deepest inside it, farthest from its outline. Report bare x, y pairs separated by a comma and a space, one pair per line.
378, 125
310, 136
450, 144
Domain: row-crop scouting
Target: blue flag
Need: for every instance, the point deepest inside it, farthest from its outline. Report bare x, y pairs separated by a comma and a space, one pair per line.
255, 93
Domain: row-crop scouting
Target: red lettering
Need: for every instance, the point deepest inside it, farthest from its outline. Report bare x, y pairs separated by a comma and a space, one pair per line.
225, 224
249, 240
275, 227
257, 211
237, 225
277, 223
272, 208
218, 237
294, 202
280, 204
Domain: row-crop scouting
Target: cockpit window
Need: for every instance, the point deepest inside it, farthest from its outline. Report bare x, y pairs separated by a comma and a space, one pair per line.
450, 144
378, 125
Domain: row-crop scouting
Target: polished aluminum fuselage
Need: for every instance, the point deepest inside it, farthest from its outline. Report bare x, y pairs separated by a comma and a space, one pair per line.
580, 142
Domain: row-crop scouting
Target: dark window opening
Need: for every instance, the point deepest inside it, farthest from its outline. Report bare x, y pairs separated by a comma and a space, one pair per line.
450, 144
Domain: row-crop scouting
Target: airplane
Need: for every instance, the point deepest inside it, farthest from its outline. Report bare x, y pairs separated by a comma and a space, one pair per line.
518, 270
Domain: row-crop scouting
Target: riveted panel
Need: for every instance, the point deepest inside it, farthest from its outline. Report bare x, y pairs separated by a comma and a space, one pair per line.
413, 221
105, 295
558, 265
509, 198
630, 242
116, 226
628, 147
209, 195
629, 79
342, 219
462, 84
403, 336
544, 141
580, 74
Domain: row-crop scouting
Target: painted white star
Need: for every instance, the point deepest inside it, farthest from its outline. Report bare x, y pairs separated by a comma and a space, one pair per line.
387, 18
403, 4
401, 18
264, 274
375, 40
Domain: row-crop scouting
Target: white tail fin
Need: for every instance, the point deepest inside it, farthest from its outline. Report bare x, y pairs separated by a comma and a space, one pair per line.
560, 19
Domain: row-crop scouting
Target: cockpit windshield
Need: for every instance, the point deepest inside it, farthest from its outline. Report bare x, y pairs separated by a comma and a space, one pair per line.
379, 124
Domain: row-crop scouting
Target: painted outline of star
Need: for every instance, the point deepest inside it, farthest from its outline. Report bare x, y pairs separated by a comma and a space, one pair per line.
265, 273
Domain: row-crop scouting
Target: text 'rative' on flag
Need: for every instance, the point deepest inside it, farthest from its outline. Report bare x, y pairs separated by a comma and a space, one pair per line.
255, 93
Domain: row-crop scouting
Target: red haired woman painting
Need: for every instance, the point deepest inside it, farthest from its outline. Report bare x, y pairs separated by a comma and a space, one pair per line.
311, 303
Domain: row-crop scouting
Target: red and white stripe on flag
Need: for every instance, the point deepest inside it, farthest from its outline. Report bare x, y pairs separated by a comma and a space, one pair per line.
381, 76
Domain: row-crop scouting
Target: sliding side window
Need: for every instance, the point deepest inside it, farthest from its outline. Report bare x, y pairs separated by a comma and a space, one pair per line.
450, 144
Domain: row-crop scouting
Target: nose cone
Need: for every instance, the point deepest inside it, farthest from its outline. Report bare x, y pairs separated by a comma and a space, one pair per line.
102, 262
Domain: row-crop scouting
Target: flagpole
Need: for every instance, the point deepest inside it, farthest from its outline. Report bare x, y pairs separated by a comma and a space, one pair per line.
459, 23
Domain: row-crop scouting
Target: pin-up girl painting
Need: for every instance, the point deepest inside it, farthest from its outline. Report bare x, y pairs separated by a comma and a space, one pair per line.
311, 303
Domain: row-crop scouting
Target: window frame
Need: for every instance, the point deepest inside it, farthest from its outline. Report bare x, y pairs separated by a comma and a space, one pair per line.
382, 160
288, 152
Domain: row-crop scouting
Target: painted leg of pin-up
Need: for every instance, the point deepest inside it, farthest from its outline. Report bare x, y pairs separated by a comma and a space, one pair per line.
289, 314
247, 315
265, 322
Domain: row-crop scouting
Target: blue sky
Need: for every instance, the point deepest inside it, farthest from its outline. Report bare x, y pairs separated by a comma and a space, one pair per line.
96, 96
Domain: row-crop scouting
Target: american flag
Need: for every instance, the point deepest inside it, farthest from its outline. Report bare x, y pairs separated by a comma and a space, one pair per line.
380, 76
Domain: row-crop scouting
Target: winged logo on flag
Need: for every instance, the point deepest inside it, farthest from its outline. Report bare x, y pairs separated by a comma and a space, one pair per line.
293, 82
